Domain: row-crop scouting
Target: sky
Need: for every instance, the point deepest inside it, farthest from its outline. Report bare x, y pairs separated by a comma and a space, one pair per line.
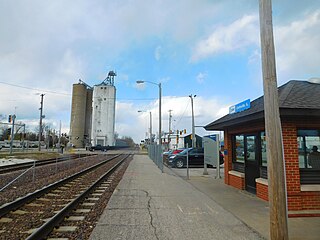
207, 48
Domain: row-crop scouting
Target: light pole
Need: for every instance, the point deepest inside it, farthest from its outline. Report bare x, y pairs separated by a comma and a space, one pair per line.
159, 85
193, 127
170, 116
40, 124
150, 130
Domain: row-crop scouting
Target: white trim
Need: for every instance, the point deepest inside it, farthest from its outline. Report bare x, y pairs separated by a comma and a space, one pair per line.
237, 174
310, 188
262, 181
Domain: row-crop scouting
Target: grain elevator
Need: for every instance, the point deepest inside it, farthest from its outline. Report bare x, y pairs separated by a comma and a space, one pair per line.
103, 112
81, 111
93, 113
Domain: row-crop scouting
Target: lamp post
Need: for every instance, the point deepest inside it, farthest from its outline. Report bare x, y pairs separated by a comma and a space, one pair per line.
193, 127
170, 116
159, 85
40, 124
150, 130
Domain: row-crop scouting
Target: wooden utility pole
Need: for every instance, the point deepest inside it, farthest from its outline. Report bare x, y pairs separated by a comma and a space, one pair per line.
276, 172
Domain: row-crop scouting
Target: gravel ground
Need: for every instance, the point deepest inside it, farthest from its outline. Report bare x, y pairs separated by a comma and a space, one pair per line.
42, 176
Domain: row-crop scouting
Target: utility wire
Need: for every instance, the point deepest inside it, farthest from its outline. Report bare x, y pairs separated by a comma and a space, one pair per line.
68, 94
36, 89
182, 114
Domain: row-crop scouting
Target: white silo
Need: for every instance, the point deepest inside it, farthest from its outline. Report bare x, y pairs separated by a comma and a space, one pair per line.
103, 112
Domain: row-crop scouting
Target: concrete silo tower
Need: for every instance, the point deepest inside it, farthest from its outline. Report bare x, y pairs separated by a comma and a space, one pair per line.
103, 112
81, 110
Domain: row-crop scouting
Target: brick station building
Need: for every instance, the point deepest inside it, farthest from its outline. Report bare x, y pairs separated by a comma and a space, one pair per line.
245, 146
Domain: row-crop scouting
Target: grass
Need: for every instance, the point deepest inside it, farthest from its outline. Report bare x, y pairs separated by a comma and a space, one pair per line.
30, 155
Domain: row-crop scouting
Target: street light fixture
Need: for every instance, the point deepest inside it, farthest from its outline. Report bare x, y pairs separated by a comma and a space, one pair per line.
150, 130
193, 127
159, 85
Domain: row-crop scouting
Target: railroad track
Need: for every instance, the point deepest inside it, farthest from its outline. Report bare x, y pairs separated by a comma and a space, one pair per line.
21, 166
36, 215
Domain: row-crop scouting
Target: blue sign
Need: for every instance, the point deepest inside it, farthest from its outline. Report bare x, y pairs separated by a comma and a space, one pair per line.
240, 107
213, 137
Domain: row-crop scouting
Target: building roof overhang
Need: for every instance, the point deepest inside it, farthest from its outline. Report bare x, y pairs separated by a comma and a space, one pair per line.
298, 100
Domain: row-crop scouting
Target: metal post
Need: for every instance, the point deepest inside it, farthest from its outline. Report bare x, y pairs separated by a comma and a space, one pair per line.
205, 166
276, 168
150, 127
59, 135
218, 175
12, 132
193, 127
34, 171
24, 133
40, 124
187, 163
169, 140
160, 140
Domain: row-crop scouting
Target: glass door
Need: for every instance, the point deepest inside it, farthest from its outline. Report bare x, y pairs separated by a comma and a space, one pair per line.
251, 162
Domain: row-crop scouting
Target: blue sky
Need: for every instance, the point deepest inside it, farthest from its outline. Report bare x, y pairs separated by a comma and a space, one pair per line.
207, 48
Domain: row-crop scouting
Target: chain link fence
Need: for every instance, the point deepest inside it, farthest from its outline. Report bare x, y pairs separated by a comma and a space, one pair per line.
155, 153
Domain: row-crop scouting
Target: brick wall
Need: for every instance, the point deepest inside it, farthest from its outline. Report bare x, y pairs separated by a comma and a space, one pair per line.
297, 200
228, 157
262, 191
236, 181
310, 200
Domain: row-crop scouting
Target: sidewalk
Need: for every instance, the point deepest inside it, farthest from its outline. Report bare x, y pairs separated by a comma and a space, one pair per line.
148, 204
253, 211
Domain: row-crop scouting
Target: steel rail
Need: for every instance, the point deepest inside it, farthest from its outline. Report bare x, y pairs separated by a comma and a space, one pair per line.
43, 231
7, 207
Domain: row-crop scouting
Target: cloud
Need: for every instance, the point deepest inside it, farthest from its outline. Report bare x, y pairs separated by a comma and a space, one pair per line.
297, 47
238, 35
201, 77
205, 110
157, 53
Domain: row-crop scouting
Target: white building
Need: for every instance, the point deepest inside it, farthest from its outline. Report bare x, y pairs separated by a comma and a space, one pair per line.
103, 112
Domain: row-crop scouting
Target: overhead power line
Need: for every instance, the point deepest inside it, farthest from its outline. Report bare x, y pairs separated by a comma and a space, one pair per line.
36, 89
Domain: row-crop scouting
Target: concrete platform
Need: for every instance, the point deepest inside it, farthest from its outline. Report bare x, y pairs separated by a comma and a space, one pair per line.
148, 204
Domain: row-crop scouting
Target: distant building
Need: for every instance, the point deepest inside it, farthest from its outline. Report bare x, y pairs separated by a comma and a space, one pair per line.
93, 113
103, 113
81, 112
182, 141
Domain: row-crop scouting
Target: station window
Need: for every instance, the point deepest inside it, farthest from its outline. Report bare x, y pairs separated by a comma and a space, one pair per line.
309, 148
263, 141
239, 149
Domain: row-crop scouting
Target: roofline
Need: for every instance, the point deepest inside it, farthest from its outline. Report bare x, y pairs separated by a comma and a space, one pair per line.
285, 113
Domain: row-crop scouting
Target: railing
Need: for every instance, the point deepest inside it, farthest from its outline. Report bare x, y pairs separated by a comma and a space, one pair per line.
155, 153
